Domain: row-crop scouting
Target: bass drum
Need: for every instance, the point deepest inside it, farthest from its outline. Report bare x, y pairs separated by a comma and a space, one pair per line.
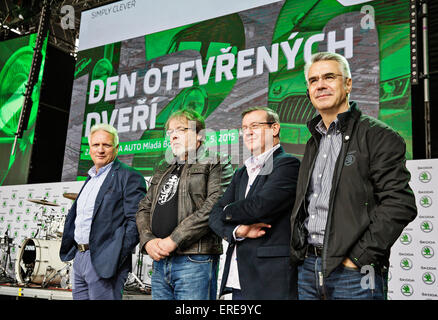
38, 262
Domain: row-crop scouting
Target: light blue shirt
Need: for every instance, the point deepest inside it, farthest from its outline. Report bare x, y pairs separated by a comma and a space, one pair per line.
85, 204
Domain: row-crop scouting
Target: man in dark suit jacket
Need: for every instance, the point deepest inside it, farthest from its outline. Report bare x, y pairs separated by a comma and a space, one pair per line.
100, 231
253, 215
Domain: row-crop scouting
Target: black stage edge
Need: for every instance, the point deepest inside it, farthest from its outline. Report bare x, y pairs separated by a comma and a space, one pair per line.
52, 119
271, 310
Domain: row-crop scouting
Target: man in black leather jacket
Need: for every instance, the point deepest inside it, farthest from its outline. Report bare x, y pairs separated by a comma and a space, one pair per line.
172, 219
353, 199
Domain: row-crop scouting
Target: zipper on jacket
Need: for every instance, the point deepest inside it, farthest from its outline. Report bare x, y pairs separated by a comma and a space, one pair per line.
303, 200
182, 191
310, 175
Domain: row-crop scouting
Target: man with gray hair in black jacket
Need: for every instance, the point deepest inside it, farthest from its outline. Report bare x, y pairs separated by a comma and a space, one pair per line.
353, 199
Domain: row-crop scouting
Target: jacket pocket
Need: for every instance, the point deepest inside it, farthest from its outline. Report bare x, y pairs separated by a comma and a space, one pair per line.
344, 267
113, 195
199, 258
198, 178
273, 251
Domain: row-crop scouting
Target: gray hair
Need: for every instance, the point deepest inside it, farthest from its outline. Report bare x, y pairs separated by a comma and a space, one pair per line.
105, 127
328, 56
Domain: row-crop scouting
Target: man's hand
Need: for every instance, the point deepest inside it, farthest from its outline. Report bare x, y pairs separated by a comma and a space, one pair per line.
252, 231
167, 244
154, 251
349, 264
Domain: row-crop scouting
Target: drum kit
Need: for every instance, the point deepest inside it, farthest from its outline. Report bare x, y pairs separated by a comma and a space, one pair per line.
37, 261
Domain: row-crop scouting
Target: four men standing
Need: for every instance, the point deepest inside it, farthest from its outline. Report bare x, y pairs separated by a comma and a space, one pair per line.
338, 215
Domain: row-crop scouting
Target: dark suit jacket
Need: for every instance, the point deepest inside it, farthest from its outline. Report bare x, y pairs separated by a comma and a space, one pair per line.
113, 233
263, 263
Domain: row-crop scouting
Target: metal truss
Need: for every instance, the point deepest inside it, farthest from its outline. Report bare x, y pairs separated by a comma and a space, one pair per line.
22, 17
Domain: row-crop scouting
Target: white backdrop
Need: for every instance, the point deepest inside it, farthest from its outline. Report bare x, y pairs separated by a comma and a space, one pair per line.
20, 217
414, 259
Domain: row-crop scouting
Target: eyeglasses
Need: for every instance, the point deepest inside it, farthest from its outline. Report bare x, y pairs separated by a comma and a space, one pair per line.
253, 126
327, 78
177, 131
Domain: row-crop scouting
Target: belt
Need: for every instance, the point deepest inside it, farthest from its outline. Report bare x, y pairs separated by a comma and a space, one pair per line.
83, 247
317, 251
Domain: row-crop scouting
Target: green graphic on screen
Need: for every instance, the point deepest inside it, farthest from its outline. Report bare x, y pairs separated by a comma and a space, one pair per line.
137, 83
15, 63
384, 88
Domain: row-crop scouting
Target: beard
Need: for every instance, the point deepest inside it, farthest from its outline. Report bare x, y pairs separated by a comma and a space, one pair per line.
179, 151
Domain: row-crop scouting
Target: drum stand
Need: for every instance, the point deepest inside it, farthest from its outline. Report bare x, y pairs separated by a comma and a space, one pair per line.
144, 288
4, 275
43, 223
142, 285
47, 278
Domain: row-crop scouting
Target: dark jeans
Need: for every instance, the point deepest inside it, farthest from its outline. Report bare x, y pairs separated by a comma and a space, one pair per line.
343, 283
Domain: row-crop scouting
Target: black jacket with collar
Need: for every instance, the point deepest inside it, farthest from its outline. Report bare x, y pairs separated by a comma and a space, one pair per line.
263, 263
370, 200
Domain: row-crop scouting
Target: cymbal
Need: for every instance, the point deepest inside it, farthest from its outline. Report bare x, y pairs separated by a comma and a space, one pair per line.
44, 202
71, 196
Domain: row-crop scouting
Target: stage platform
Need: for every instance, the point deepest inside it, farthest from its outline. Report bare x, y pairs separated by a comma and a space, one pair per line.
55, 293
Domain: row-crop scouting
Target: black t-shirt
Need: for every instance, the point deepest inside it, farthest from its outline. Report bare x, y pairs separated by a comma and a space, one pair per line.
165, 216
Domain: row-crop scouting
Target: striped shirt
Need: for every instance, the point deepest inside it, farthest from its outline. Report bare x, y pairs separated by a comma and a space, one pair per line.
318, 193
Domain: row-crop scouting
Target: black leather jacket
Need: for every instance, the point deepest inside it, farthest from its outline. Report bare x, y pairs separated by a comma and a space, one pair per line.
370, 201
200, 187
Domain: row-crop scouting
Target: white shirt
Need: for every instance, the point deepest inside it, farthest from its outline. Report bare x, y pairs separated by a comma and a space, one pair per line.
253, 166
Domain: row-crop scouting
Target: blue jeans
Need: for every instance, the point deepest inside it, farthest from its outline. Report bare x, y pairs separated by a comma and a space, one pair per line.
185, 277
343, 283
